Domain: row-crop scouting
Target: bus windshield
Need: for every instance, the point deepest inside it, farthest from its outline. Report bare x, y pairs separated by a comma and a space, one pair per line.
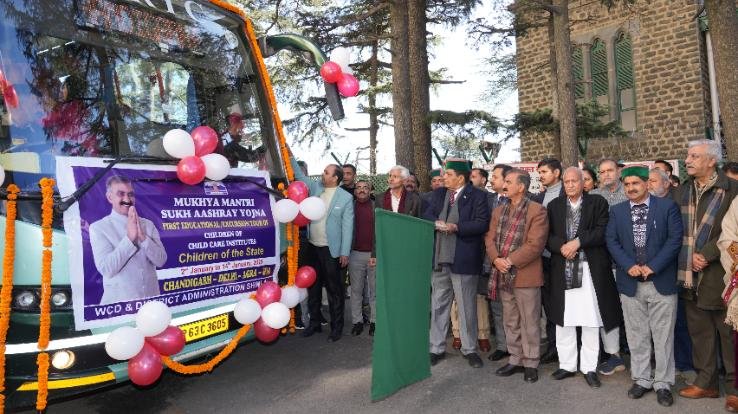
105, 78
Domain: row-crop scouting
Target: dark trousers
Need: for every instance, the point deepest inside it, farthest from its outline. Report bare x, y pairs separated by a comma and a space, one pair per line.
328, 269
550, 326
682, 341
703, 325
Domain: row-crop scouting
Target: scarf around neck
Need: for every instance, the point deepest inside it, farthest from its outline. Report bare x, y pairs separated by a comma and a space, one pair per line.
510, 231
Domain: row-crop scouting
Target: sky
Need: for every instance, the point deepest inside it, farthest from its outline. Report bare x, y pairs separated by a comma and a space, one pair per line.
463, 63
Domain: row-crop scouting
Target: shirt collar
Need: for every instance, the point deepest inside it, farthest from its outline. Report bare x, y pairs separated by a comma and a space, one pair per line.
647, 202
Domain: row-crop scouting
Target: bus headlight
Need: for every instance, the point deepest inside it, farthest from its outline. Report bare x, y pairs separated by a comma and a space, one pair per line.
26, 299
60, 299
62, 359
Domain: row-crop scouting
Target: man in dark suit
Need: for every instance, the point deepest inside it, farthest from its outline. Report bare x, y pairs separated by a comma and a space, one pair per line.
461, 216
644, 236
582, 290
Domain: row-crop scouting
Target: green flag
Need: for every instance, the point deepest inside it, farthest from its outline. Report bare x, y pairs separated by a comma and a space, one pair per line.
404, 261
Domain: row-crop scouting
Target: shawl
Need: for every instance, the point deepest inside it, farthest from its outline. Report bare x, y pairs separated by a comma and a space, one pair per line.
574, 268
510, 231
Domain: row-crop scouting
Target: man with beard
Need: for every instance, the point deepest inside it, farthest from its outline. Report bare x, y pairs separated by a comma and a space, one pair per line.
659, 183
126, 248
411, 183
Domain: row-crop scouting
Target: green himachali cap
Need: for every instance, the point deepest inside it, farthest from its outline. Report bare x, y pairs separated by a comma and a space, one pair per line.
458, 165
640, 171
435, 173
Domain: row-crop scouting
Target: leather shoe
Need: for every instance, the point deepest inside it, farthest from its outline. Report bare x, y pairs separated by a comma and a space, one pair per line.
531, 375
592, 379
435, 358
664, 398
695, 392
561, 373
498, 355
549, 357
484, 345
474, 360
334, 336
311, 330
508, 369
457, 343
357, 329
371, 329
731, 403
636, 391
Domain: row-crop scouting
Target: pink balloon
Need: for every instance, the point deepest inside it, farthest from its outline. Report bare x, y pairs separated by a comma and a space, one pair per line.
169, 342
305, 277
264, 333
300, 220
10, 96
191, 170
206, 139
297, 191
268, 292
145, 368
331, 72
348, 85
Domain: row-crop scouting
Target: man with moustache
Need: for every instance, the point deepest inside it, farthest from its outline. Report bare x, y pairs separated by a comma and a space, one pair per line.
704, 199
362, 260
515, 241
436, 183
349, 178
583, 292
644, 238
126, 248
411, 183
659, 183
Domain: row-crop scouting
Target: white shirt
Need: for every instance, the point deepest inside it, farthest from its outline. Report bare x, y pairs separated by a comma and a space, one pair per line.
318, 234
128, 271
395, 202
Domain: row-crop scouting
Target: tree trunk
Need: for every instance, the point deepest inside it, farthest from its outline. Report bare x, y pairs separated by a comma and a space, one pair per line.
565, 85
556, 147
723, 22
419, 91
401, 84
372, 97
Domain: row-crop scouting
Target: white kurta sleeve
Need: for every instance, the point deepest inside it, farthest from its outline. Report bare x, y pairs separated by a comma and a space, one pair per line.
109, 258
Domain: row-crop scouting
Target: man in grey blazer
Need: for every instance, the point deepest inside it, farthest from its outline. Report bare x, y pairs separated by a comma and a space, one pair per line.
329, 246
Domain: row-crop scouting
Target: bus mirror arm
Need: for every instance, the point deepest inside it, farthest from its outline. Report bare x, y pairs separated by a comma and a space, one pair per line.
63, 205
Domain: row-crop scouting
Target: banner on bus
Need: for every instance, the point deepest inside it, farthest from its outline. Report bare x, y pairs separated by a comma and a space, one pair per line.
139, 234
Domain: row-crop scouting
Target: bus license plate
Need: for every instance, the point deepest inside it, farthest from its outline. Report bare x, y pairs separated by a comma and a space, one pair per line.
204, 328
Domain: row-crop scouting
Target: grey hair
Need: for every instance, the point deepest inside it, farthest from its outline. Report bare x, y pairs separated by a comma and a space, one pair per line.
522, 176
604, 160
713, 148
117, 179
404, 172
575, 170
664, 176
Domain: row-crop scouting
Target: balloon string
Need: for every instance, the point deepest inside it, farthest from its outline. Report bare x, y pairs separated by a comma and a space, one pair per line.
207, 366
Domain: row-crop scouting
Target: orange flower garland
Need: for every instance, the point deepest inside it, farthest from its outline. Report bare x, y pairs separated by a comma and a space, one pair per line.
6, 293
207, 366
47, 216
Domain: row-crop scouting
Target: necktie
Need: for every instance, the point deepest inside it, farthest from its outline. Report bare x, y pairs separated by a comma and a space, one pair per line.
452, 198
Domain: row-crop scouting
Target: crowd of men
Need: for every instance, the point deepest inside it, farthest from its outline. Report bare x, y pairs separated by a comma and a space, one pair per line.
624, 259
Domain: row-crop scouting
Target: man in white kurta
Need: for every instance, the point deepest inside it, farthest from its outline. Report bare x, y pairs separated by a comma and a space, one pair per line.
125, 247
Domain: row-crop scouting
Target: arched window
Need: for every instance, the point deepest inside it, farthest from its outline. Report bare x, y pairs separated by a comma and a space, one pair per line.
625, 81
577, 69
598, 64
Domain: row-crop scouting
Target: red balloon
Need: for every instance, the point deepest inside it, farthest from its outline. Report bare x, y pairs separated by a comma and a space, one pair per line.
305, 277
331, 72
348, 85
297, 191
10, 96
169, 342
300, 220
191, 170
264, 333
268, 292
145, 368
206, 139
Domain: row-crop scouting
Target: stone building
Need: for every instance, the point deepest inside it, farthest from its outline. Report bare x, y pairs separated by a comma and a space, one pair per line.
647, 64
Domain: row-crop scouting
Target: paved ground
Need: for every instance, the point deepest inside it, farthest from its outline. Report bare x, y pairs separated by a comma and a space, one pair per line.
309, 375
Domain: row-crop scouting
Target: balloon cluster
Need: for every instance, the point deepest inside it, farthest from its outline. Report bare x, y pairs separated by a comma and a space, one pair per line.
298, 207
269, 310
195, 152
144, 345
8, 91
338, 71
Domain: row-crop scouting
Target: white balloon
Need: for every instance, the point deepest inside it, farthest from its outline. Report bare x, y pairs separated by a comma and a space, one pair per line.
217, 166
313, 208
303, 293
153, 318
290, 296
275, 315
285, 210
124, 343
247, 311
178, 143
341, 55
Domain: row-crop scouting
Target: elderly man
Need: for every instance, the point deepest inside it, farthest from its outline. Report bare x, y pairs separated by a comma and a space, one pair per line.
329, 246
515, 241
583, 292
126, 248
704, 199
644, 238
461, 217
397, 199
728, 244
659, 184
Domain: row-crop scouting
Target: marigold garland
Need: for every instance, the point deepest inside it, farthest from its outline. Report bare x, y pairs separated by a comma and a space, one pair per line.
207, 366
47, 216
6, 293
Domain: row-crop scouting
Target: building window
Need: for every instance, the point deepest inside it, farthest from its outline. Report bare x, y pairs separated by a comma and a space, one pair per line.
598, 65
577, 68
625, 82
